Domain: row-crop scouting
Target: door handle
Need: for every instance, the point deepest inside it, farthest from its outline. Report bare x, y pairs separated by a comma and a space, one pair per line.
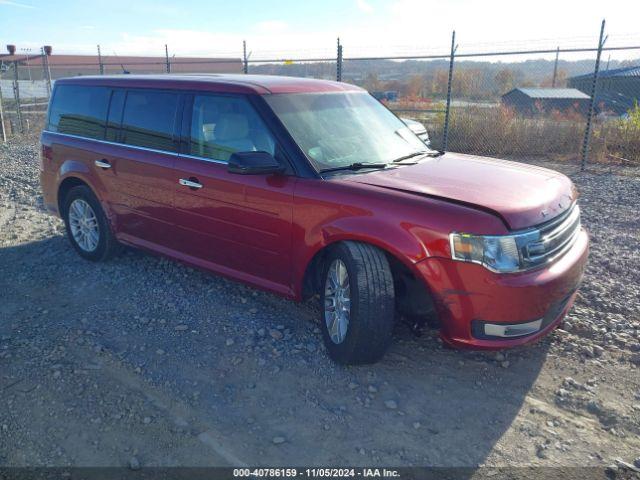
102, 164
190, 182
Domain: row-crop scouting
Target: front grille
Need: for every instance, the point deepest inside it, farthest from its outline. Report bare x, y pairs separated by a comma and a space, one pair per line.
556, 237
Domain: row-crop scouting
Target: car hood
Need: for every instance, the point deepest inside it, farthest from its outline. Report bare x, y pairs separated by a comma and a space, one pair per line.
522, 195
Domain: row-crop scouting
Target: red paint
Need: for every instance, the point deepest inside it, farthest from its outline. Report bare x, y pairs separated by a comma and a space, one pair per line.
243, 84
241, 222
265, 230
515, 191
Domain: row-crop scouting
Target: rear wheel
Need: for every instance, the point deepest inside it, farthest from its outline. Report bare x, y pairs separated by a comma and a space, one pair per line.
357, 300
87, 226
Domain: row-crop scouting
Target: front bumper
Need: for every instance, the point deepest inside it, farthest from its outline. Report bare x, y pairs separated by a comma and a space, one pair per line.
468, 297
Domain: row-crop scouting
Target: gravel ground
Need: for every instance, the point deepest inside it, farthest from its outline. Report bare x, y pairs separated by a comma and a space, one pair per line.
141, 361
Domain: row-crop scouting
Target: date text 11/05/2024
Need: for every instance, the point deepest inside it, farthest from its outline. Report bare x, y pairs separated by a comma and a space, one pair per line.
316, 472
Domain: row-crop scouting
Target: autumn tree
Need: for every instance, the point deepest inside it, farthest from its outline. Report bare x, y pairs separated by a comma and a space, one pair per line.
439, 82
505, 80
372, 83
414, 86
561, 79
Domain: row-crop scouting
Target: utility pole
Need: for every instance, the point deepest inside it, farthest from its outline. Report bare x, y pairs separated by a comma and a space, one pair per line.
555, 69
100, 65
46, 70
592, 102
245, 59
339, 62
447, 114
166, 54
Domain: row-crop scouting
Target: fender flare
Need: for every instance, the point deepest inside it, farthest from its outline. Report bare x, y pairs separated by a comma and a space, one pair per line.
75, 169
405, 247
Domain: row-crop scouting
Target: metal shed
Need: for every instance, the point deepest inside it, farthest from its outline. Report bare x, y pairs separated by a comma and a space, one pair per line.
618, 89
531, 101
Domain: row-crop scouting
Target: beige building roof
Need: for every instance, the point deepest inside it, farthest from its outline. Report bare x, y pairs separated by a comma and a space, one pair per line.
73, 65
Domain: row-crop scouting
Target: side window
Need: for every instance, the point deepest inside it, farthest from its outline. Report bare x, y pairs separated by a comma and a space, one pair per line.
221, 126
79, 110
115, 115
149, 119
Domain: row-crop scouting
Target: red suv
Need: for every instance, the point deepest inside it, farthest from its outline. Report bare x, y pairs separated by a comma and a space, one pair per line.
306, 187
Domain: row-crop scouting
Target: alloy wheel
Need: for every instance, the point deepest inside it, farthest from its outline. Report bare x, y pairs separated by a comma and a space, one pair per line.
337, 301
84, 225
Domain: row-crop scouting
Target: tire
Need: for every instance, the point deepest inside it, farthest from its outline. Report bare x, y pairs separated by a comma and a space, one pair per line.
105, 243
371, 306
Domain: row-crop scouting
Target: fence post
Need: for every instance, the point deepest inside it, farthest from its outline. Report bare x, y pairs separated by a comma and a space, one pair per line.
445, 134
3, 133
592, 101
100, 65
16, 95
44, 69
166, 56
339, 62
555, 68
245, 60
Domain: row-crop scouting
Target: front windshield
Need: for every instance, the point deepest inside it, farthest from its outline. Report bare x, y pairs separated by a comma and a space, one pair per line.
340, 129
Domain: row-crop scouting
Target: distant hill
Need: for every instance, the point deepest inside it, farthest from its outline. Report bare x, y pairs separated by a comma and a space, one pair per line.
474, 79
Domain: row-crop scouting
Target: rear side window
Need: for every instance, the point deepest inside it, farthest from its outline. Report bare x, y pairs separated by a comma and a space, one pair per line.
149, 119
79, 110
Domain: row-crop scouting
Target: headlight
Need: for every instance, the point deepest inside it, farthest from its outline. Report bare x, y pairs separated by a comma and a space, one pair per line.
500, 253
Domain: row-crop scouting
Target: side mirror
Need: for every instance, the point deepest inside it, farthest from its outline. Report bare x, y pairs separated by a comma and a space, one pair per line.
253, 163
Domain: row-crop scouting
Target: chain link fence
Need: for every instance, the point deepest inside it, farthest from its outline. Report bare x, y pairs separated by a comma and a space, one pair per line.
576, 103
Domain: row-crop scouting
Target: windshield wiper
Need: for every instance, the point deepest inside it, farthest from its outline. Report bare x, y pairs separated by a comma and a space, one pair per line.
430, 153
356, 166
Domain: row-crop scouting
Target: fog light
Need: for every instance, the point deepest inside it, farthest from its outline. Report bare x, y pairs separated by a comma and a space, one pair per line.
512, 330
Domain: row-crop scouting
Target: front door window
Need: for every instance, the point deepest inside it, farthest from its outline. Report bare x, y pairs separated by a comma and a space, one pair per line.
221, 126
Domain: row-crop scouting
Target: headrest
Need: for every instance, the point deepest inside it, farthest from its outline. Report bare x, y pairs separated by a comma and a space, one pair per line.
232, 126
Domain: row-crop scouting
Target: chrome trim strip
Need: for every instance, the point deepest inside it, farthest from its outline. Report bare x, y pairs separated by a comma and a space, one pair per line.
558, 251
135, 147
556, 239
106, 142
204, 159
561, 226
548, 235
551, 224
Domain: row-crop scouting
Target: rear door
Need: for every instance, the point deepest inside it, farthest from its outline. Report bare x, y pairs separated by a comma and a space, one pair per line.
143, 124
239, 223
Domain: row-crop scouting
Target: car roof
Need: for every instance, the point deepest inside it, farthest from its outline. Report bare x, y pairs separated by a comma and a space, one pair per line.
247, 84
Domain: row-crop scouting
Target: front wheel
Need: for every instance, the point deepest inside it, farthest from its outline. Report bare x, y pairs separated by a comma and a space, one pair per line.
357, 300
